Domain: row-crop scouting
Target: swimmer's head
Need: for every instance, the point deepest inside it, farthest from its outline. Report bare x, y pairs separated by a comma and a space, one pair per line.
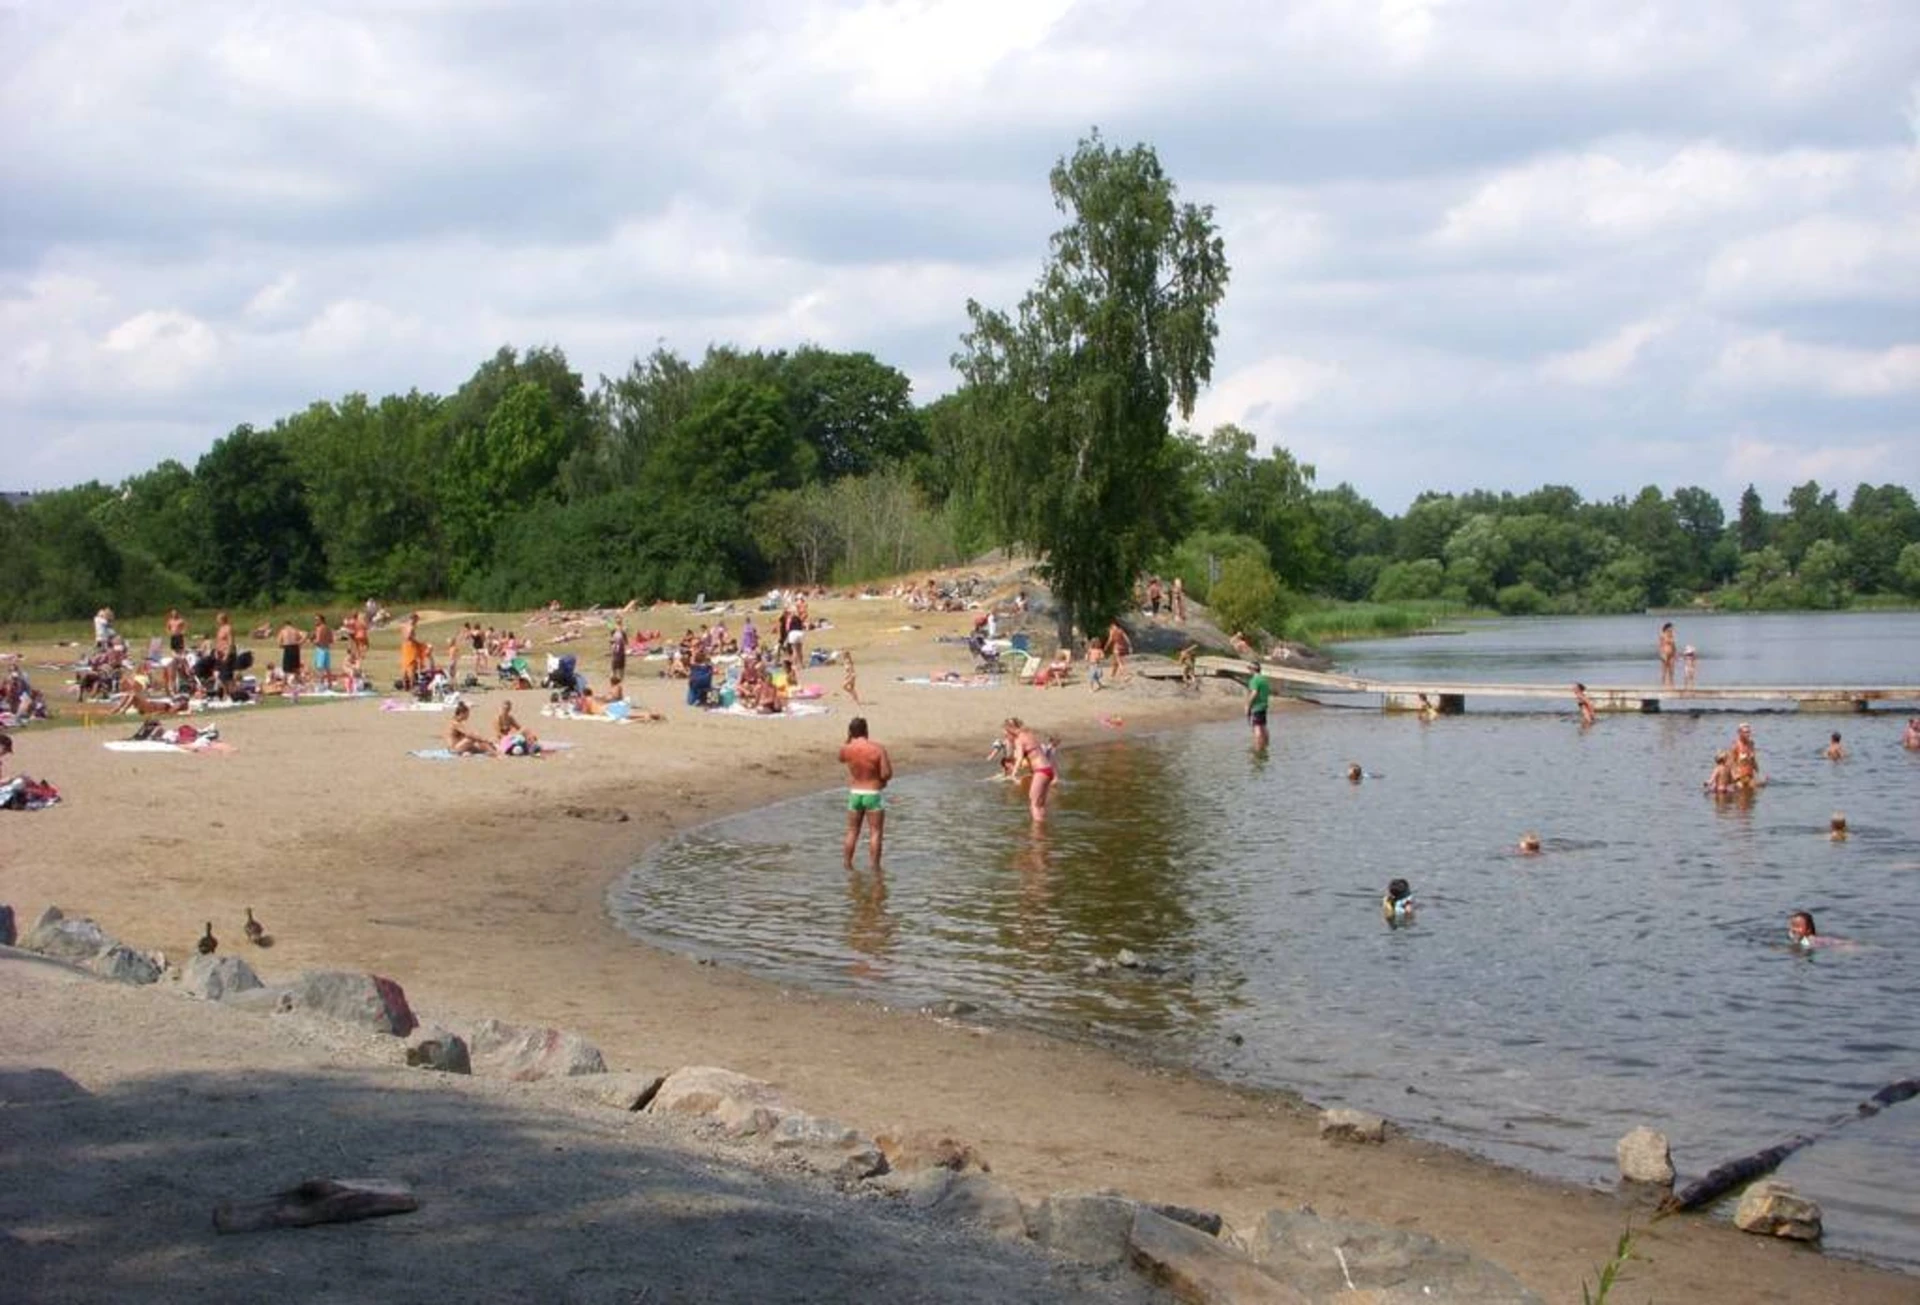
1356, 774
1837, 826
1834, 737
857, 728
1529, 842
1800, 926
1720, 757
1398, 890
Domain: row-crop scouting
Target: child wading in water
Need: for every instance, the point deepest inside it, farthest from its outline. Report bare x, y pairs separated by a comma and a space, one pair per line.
1396, 905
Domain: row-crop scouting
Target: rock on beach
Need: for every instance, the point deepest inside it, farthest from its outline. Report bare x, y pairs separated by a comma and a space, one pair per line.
1772, 1208
216, 978
366, 1001
525, 1053
1645, 1157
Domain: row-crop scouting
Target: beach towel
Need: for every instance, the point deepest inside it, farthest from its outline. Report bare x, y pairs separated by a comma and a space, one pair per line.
556, 712
155, 745
794, 709
950, 681
408, 704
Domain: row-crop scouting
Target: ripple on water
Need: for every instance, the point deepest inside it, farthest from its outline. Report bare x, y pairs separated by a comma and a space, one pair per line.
1634, 973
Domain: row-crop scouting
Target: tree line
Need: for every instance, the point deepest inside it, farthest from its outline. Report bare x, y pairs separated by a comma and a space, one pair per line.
747, 468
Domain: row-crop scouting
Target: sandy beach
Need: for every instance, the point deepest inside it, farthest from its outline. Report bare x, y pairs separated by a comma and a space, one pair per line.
480, 885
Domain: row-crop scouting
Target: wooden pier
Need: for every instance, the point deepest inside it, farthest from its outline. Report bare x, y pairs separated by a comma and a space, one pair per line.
1450, 698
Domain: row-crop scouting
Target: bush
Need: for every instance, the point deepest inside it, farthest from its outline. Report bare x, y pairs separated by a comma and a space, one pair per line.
1248, 596
1521, 600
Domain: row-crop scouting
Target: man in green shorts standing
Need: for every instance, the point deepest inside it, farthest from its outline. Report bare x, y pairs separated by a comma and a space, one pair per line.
869, 768
1259, 689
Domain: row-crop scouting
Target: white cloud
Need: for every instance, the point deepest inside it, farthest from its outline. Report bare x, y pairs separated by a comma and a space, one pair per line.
1826, 256
1791, 462
1772, 362
1607, 360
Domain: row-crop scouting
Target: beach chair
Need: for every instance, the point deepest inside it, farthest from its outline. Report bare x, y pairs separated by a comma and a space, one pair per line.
1022, 642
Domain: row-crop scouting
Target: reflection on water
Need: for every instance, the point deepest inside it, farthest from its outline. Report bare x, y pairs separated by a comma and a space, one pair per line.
1541, 1005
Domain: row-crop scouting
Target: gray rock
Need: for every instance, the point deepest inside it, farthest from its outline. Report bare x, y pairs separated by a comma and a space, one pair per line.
716, 1093
978, 1199
826, 1146
528, 1053
629, 1090
276, 1000
432, 1047
217, 978
1091, 1227
1645, 1157
1201, 1269
1771, 1208
1318, 1256
366, 1001
53, 934
908, 1151
1343, 1125
122, 964
920, 1188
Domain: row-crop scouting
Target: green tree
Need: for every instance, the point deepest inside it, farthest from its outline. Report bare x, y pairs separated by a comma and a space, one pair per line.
1811, 515
1907, 569
1076, 389
256, 540
855, 412
1752, 528
502, 468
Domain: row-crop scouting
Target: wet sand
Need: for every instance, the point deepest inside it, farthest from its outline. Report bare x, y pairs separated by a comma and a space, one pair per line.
480, 886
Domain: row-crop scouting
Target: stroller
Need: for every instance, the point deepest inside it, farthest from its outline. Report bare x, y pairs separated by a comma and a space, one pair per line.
563, 676
986, 657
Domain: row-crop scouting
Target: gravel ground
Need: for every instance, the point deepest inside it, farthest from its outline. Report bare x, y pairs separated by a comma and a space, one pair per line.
111, 1172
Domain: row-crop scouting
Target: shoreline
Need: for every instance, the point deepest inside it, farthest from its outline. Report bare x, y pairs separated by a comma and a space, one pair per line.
481, 887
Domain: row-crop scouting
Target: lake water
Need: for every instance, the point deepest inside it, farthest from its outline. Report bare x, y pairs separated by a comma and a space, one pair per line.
1539, 1007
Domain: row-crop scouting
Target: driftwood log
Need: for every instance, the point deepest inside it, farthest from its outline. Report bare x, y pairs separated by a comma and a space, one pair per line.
1725, 1178
318, 1200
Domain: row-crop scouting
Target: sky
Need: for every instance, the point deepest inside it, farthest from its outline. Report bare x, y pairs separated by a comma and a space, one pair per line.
1474, 244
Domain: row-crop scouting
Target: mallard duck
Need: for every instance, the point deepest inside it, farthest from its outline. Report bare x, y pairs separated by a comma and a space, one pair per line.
208, 943
256, 932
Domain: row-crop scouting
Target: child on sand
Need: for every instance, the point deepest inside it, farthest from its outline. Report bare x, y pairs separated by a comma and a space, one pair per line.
847, 679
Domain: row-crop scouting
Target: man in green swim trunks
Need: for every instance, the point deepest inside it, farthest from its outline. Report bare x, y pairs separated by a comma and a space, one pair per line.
1259, 689
869, 768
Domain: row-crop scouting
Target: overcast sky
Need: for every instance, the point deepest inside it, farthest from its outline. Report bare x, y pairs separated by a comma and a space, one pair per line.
1476, 244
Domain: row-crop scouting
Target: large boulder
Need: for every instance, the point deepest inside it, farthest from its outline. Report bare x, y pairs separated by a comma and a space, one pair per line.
435, 1048
1091, 1227
216, 978
827, 1146
365, 1001
1773, 1209
122, 964
737, 1103
975, 1199
527, 1053
1200, 1269
1326, 1259
53, 934
1645, 1157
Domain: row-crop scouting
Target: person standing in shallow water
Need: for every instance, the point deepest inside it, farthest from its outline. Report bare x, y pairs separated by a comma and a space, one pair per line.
1259, 693
1582, 701
869, 771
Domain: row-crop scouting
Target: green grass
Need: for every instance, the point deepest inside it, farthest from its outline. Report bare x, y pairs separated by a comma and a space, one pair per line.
1612, 1273
1340, 622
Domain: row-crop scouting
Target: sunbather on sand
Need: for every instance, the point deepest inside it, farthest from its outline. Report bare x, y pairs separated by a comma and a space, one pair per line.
463, 742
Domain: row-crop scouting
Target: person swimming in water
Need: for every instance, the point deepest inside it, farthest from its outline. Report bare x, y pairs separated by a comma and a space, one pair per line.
1396, 904
1911, 739
1529, 844
1837, 828
1354, 776
1836, 751
1720, 782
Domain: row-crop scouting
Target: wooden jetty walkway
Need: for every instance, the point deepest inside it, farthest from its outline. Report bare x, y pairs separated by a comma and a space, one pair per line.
1450, 698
